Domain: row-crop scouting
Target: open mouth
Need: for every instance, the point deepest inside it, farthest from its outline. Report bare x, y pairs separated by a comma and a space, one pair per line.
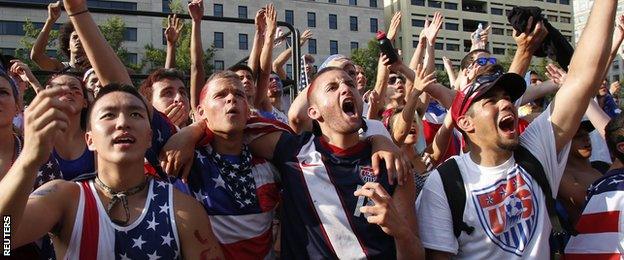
232, 111
348, 107
412, 131
507, 124
124, 139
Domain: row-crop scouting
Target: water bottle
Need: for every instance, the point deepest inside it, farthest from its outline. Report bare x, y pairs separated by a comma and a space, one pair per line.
386, 47
477, 35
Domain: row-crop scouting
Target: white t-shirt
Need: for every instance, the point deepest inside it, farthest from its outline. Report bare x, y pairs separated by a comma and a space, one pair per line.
503, 203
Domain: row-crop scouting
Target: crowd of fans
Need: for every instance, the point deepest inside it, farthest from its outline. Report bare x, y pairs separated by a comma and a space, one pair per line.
500, 164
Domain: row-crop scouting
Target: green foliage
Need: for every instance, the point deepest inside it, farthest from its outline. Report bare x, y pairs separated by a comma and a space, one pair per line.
538, 64
26, 43
368, 59
443, 78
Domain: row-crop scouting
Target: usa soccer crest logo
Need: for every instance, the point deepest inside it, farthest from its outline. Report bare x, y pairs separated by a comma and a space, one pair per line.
367, 174
508, 211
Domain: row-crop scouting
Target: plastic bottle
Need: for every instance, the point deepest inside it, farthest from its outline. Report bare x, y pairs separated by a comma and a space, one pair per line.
386, 47
477, 35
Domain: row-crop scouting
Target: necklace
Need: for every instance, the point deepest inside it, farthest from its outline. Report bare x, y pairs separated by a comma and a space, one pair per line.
119, 196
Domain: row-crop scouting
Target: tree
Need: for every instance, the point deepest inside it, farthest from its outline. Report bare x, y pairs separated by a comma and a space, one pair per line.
538, 64
368, 59
155, 57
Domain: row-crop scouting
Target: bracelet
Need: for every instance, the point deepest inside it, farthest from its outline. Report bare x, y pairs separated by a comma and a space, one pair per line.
81, 12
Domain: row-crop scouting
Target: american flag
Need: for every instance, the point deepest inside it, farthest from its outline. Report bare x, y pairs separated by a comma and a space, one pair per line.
47, 172
600, 227
303, 79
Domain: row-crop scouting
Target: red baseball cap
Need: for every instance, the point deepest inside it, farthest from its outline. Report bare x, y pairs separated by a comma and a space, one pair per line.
512, 83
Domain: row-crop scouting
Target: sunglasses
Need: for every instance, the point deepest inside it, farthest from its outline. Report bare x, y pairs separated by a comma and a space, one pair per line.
484, 61
478, 82
393, 79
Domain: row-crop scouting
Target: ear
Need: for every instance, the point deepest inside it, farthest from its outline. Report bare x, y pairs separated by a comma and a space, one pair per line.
89, 141
314, 113
620, 147
200, 111
465, 123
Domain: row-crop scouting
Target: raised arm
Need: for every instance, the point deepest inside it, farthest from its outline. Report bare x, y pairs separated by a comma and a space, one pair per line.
539, 91
282, 58
441, 141
381, 82
254, 56
21, 70
432, 35
262, 84
38, 52
44, 119
198, 75
298, 118
480, 41
527, 42
586, 71
448, 67
107, 65
172, 34
618, 37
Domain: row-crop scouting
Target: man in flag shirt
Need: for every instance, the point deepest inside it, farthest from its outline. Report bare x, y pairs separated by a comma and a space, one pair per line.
237, 189
601, 226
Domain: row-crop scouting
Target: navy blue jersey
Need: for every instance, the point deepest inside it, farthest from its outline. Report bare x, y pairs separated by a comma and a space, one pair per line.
320, 215
74, 168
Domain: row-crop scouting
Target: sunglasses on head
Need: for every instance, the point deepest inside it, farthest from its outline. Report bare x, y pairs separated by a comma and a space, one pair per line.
474, 87
484, 61
393, 79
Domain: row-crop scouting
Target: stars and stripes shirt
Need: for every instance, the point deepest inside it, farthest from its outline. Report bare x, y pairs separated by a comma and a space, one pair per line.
601, 226
153, 235
241, 210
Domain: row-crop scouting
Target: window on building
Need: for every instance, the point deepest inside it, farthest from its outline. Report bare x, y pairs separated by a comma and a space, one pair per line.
218, 40
452, 47
333, 47
353, 23
374, 25
616, 77
312, 46
373, 3
288, 69
414, 44
418, 23
569, 38
450, 6
355, 46
219, 65
498, 31
333, 21
242, 11
11, 28
289, 17
451, 26
418, 2
551, 1
352, 2
509, 32
439, 46
564, 2
496, 11
218, 10
132, 58
616, 65
243, 43
332, 1
564, 19
130, 34
165, 6
7, 51
434, 3
311, 19
551, 18
498, 51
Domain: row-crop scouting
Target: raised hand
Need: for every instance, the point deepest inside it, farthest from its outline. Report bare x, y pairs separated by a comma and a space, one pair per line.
481, 40
44, 119
618, 33
434, 28
556, 74
529, 40
614, 89
74, 6
394, 26
305, 36
22, 71
271, 18
260, 20
196, 10
177, 113
174, 27
423, 79
54, 11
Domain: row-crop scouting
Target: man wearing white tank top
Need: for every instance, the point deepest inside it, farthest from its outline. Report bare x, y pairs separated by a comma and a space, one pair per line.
122, 214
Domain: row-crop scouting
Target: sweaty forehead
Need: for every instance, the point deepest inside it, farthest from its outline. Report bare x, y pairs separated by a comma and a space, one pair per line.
224, 84
119, 100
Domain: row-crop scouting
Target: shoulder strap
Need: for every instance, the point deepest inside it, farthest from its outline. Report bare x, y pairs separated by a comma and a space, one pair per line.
534, 168
90, 225
455, 195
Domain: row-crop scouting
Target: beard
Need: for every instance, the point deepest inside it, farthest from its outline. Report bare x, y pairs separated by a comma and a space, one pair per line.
510, 145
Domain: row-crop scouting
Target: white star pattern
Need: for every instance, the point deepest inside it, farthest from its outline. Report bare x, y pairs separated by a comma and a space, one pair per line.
39, 174
164, 208
167, 239
232, 175
235, 166
615, 181
160, 138
154, 196
161, 184
153, 256
237, 195
49, 164
124, 257
201, 197
177, 254
219, 182
247, 201
152, 224
200, 157
242, 178
138, 242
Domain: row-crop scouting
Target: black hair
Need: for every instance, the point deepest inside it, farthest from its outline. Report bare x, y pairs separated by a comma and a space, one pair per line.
614, 134
64, 37
240, 66
83, 87
115, 87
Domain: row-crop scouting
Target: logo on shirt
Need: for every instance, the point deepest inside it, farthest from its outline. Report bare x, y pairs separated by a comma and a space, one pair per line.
367, 174
508, 211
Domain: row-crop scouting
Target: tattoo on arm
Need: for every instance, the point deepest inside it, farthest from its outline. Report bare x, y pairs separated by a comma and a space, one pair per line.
205, 254
43, 192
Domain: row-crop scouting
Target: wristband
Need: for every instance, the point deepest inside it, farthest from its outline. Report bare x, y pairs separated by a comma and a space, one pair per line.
81, 12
